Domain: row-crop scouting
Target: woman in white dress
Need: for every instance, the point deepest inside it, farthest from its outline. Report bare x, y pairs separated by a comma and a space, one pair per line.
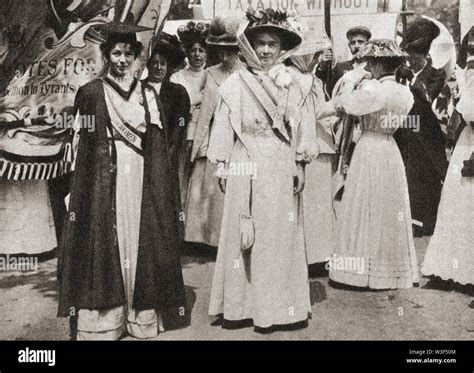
260, 276
193, 37
450, 253
205, 201
375, 246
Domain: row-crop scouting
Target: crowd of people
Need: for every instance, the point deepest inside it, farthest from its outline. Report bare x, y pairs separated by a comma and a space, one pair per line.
274, 157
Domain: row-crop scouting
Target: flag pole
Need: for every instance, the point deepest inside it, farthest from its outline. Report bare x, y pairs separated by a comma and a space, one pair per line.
404, 16
327, 26
327, 17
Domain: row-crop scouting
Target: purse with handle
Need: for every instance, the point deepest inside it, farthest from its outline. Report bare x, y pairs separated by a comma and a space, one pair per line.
247, 227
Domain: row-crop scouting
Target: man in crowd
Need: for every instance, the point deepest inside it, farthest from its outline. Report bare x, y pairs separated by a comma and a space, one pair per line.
357, 37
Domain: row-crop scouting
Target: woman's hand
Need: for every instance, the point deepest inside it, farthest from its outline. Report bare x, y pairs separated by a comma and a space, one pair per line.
299, 179
338, 106
356, 75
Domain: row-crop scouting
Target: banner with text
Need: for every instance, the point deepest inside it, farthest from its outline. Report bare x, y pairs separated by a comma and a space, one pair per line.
48, 49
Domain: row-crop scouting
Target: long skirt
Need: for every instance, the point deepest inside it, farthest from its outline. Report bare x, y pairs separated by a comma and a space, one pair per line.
319, 215
450, 253
270, 285
26, 218
205, 205
111, 324
375, 246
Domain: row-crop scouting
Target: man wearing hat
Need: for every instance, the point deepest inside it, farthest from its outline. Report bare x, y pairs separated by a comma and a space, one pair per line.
261, 276
357, 37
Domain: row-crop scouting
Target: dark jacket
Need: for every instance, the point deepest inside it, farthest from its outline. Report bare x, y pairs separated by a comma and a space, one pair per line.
331, 77
427, 145
89, 268
424, 152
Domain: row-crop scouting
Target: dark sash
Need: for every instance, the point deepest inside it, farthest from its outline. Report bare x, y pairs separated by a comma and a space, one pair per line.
127, 133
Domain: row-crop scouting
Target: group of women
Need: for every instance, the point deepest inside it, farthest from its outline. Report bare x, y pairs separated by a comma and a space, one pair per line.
171, 143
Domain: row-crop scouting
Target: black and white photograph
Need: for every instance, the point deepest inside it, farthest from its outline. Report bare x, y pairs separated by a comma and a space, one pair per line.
237, 171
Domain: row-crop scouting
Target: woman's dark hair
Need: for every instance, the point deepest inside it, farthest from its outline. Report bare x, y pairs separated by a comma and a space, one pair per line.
395, 66
390, 64
193, 33
174, 63
114, 39
189, 45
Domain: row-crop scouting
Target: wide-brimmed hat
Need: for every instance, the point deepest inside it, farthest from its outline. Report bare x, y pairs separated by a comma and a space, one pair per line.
101, 33
170, 47
380, 48
275, 21
223, 32
359, 30
128, 26
419, 36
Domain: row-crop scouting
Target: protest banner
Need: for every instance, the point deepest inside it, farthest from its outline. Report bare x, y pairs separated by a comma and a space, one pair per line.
48, 49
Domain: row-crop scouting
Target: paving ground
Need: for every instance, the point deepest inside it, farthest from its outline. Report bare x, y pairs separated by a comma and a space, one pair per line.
29, 302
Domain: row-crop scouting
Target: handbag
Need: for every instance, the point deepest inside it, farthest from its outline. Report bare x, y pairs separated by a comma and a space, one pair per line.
468, 169
247, 227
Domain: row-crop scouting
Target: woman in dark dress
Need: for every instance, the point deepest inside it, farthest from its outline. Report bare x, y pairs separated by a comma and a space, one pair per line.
119, 264
423, 151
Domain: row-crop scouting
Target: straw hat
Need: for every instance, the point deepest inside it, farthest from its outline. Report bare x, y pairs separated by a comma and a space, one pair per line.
275, 21
380, 48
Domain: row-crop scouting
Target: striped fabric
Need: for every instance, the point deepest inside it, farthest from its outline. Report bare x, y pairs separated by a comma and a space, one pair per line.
43, 155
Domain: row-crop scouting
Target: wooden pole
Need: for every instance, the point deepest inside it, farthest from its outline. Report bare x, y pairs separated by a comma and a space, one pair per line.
327, 17
404, 16
327, 26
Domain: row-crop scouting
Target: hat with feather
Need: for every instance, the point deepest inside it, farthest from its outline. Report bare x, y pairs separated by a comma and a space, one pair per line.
276, 21
223, 32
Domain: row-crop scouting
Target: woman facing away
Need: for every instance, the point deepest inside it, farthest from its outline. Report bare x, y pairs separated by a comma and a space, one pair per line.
119, 265
261, 275
205, 201
375, 246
